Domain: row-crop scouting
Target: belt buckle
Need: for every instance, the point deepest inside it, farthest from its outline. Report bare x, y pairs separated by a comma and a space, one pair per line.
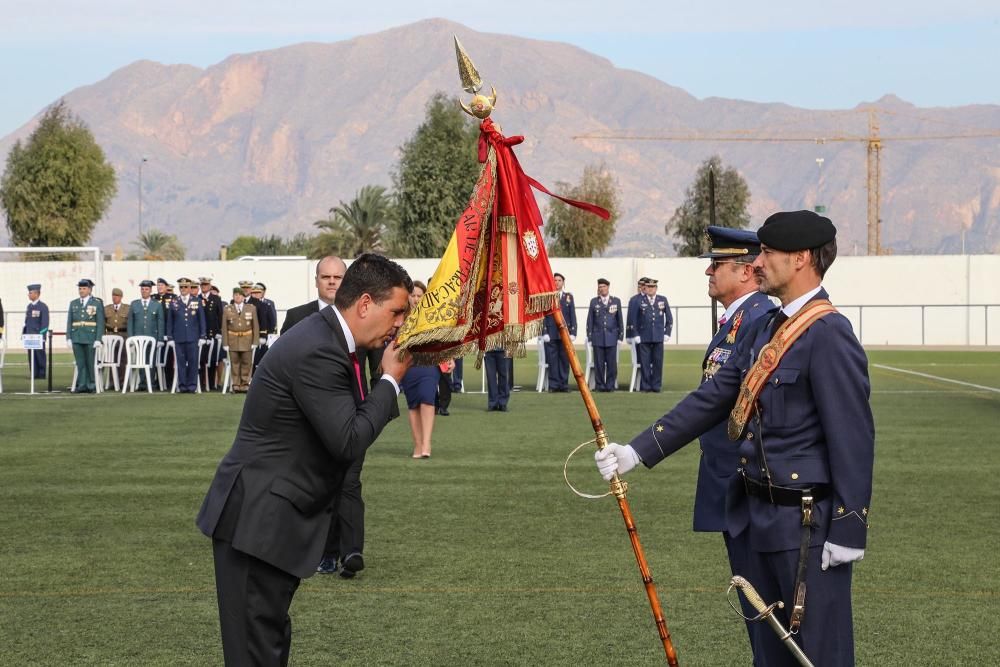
807, 508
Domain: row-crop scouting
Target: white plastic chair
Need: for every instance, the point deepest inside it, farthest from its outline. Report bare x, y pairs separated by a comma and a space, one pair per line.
633, 384
108, 360
227, 374
203, 378
163, 352
591, 369
139, 352
542, 384
98, 385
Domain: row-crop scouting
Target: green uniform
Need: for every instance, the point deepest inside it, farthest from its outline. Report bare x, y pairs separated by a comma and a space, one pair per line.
85, 326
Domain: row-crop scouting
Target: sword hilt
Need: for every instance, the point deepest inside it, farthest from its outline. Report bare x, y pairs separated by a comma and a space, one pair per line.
750, 593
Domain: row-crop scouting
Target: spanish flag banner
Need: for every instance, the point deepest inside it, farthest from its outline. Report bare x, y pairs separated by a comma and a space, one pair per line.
494, 283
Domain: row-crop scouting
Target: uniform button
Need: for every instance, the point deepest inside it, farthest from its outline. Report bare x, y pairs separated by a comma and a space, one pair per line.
743, 460
795, 475
749, 436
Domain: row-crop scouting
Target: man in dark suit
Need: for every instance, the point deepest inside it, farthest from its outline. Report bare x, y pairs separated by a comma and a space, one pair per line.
329, 274
345, 543
306, 419
212, 304
796, 393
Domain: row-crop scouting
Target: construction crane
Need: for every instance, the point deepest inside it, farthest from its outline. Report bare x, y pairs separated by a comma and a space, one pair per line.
873, 140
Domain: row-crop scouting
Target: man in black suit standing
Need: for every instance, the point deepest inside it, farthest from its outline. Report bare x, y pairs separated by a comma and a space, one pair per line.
306, 419
329, 274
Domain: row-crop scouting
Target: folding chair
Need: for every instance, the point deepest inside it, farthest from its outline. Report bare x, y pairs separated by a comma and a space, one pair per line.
139, 357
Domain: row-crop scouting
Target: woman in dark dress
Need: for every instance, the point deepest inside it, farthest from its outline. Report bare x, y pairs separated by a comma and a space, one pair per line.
420, 385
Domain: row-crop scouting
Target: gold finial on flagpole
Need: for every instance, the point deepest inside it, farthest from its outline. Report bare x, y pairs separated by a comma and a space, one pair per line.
480, 106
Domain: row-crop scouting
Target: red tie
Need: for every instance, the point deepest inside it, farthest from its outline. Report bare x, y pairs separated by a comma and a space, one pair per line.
357, 374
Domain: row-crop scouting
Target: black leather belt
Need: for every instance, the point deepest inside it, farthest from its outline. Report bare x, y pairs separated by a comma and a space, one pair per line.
782, 495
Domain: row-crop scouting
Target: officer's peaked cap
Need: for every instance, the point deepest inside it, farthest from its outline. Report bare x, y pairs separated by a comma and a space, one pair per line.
732, 243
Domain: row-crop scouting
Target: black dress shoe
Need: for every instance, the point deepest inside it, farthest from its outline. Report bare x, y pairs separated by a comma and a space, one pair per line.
351, 565
443, 412
502, 408
328, 565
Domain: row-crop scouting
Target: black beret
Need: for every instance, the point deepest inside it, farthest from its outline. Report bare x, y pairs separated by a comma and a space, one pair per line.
789, 231
603, 281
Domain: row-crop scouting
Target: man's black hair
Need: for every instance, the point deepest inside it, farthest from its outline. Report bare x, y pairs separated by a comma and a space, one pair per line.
374, 275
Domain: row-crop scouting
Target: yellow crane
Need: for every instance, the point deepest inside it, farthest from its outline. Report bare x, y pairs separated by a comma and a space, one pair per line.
873, 140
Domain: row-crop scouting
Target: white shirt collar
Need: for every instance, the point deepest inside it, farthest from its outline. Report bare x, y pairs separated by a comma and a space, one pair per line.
351, 347
796, 306
322, 304
34, 303
735, 305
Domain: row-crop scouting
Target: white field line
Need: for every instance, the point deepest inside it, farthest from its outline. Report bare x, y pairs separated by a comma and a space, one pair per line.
937, 378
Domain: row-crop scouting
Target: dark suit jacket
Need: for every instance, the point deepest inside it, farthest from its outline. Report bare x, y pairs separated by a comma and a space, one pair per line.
299, 313
303, 425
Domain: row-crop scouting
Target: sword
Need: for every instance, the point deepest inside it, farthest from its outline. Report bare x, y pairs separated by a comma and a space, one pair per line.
766, 612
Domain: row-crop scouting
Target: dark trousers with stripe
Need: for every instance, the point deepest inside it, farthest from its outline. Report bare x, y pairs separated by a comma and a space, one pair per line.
187, 365
651, 366
606, 367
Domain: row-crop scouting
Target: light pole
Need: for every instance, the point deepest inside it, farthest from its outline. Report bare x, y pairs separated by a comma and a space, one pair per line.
819, 208
141, 162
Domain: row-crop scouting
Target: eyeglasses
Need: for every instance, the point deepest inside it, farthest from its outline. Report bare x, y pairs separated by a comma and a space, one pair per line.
716, 263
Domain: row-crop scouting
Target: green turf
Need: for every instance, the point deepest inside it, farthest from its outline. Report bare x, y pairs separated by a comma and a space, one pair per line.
480, 555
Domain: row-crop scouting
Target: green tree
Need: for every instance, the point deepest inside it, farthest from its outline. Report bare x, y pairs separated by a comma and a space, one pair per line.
154, 245
434, 178
573, 232
270, 246
58, 185
360, 225
732, 199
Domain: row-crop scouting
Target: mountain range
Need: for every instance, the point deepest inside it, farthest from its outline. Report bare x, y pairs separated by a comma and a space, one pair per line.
267, 142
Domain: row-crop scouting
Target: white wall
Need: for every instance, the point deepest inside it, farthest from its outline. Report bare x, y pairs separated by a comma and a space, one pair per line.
951, 289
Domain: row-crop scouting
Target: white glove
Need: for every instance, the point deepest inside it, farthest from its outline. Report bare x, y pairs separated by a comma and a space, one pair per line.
218, 336
834, 555
546, 338
629, 341
263, 339
615, 458
666, 339
573, 337
225, 348
271, 338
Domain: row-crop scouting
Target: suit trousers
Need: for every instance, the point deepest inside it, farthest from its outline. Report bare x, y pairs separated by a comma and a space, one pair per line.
241, 364
254, 598
606, 367
737, 548
347, 523
497, 379
555, 357
40, 363
207, 364
651, 366
827, 632
187, 365
83, 354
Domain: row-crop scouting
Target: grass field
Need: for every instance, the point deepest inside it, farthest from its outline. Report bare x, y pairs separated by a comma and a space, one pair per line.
481, 555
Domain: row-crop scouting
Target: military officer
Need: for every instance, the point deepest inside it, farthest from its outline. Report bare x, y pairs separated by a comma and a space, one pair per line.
164, 295
84, 327
267, 316
116, 324
555, 353
650, 323
605, 329
186, 326
796, 393
212, 305
145, 317
36, 321
240, 331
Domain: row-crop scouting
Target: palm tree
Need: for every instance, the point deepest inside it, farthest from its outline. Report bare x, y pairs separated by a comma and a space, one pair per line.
361, 225
156, 246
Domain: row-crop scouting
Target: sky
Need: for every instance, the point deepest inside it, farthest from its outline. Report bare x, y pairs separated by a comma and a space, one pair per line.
819, 55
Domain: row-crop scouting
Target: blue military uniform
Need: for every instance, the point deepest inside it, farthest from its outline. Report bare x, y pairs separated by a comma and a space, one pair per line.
650, 321
605, 329
810, 439
555, 352
36, 321
186, 326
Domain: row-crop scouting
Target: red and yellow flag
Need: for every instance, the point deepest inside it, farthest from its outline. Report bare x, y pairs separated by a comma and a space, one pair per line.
494, 283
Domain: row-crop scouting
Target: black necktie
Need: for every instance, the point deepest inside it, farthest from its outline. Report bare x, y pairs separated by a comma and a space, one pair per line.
778, 320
